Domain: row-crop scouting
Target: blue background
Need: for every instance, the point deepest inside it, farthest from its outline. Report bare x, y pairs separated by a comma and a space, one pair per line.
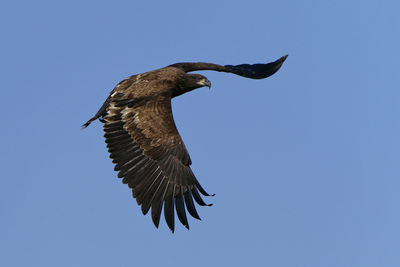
304, 164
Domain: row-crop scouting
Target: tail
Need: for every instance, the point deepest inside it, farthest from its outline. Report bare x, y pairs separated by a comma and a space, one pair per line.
102, 112
89, 122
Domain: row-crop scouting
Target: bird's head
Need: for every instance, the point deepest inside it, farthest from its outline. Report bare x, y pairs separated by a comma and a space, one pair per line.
196, 81
202, 81
191, 82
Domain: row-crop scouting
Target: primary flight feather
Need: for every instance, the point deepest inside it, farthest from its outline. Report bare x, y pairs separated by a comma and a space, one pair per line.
144, 143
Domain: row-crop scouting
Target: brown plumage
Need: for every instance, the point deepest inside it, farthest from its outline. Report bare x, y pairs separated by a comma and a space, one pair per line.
144, 143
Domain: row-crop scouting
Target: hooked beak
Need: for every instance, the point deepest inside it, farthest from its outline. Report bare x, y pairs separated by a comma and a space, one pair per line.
205, 82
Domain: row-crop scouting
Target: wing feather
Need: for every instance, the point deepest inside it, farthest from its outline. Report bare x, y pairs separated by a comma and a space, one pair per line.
169, 207
180, 209
150, 156
190, 205
198, 198
156, 208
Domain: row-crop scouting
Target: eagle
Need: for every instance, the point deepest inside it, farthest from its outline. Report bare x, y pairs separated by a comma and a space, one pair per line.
144, 143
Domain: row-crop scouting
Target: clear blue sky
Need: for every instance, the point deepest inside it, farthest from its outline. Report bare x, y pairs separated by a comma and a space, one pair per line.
304, 164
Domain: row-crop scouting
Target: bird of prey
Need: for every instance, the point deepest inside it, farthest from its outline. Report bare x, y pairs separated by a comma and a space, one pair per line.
144, 143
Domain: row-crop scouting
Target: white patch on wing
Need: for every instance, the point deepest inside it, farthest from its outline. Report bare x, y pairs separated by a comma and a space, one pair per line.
136, 118
124, 111
112, 109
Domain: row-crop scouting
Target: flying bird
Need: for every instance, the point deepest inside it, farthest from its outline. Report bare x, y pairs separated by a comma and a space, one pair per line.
144, 143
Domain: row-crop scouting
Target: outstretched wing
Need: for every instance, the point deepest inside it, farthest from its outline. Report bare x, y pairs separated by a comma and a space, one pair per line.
151, 158
254, 71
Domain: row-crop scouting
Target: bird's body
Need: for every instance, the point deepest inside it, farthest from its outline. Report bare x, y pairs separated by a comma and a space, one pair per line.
145, 144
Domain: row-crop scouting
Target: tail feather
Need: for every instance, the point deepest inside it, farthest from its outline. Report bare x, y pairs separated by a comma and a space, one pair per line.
102, 112
89, 122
